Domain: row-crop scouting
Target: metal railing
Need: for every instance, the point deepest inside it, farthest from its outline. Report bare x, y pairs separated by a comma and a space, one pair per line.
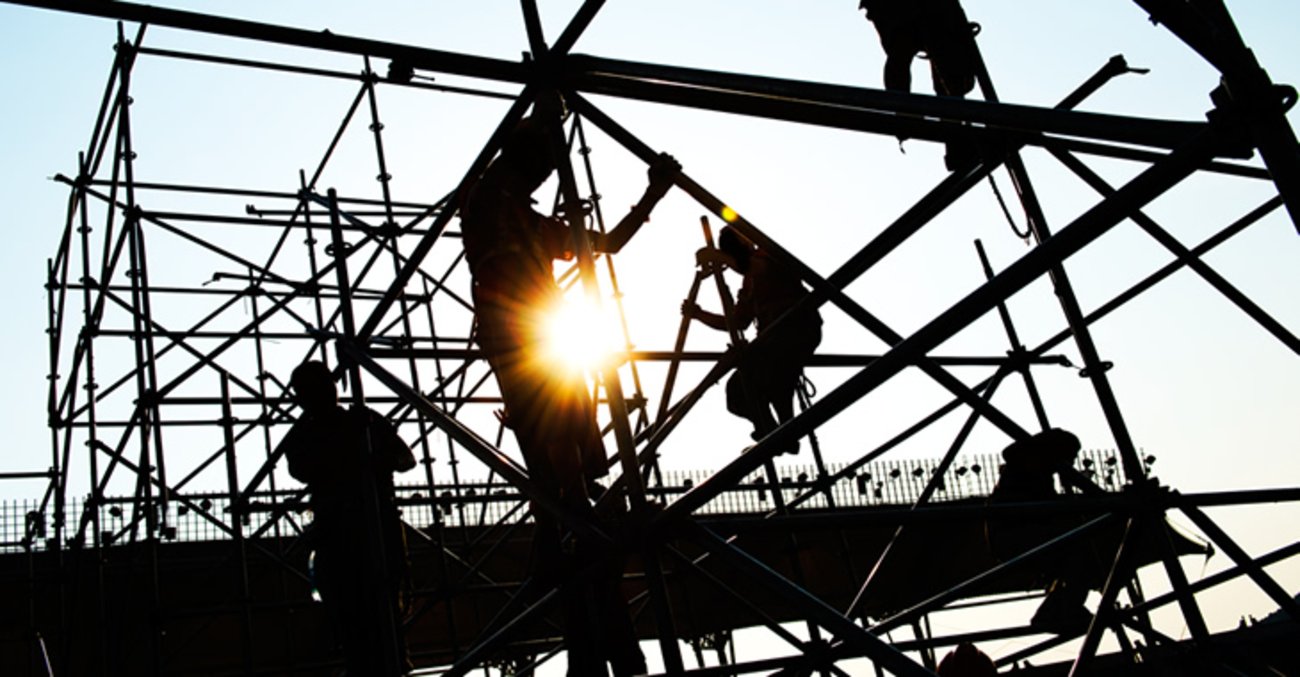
207, 517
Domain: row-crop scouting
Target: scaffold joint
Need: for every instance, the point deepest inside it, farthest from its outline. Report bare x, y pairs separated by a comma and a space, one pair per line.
1102, 367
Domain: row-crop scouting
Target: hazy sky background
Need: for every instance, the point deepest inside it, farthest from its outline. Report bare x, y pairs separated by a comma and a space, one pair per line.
1203, 388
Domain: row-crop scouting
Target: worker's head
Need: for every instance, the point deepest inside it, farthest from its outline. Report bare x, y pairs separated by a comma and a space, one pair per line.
313, 386
966, 661
735, 245
1050, 451
527, 153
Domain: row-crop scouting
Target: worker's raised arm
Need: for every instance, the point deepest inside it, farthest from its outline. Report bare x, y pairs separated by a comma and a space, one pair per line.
661, 174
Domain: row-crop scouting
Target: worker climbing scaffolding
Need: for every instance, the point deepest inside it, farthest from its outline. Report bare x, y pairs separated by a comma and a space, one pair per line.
769, 373
510, 248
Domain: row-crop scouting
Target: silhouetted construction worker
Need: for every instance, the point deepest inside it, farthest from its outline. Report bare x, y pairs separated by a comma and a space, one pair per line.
937, 28
509, 248
1029, 475
940, 30
347, 458
769, 373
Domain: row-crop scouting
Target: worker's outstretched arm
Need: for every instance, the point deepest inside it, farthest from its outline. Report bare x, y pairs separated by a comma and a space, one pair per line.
713, 320
661, 174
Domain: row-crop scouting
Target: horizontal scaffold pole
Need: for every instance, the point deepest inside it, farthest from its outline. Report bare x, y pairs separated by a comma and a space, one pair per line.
419, 57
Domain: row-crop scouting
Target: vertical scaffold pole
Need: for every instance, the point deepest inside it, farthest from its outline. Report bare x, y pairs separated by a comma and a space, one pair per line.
371, 585
238, 515
1094, 368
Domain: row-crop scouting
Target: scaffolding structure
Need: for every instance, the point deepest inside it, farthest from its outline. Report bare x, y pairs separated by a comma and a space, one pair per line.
166, 402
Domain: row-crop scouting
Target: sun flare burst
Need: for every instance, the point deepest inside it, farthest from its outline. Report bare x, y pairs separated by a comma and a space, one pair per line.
580, 335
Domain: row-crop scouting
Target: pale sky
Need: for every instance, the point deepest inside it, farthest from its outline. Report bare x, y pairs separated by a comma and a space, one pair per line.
1202, 387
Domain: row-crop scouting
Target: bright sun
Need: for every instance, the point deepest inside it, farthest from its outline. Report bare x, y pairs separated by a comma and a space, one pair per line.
580, 335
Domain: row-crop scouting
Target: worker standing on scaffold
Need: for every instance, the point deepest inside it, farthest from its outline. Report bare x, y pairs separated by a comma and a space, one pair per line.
769, 373
940, 30
937, 28
509, 248
347, 458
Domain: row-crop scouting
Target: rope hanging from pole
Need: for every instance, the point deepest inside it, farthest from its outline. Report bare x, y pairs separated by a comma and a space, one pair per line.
1007, 212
